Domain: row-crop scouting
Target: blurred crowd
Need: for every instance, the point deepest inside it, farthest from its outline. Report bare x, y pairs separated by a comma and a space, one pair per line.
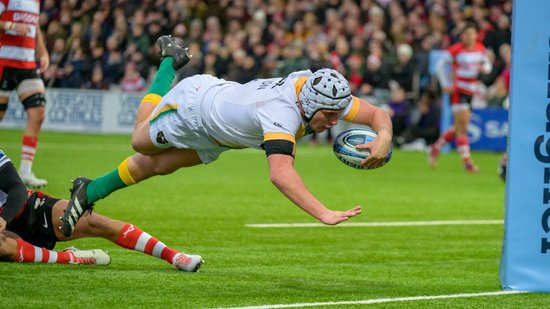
382, 46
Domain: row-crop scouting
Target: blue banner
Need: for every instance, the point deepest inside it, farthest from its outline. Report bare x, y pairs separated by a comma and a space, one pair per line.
525, 261
488, 129
78, 110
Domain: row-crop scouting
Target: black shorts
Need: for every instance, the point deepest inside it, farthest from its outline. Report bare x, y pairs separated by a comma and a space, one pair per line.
461, 98
34, 225
10, 78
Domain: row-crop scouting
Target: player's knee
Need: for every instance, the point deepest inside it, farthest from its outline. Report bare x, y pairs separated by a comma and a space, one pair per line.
139, 145
3, 108
2, 239
163, 168
97, 222
34, 100
34, 105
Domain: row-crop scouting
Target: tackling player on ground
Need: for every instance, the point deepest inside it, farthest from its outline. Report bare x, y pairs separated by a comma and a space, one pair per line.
27, 233
203, 116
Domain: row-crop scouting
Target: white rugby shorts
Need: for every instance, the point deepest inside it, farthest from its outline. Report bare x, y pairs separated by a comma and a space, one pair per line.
176, 121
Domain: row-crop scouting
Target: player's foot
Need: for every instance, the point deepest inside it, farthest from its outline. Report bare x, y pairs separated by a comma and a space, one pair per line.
169, 48
470, 167
30, 180
187, 262
90, 257
433, 153
77, 205
502, 167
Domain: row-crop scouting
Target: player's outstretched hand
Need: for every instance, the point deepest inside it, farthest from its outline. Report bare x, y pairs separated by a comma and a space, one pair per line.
332, 217
2, 224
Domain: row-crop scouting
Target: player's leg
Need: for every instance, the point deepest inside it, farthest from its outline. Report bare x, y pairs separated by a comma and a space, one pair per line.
31, 94
138, 168
446, 136
435, 149
15, 249
125, 235
132, 170
3, 105
462, 121
8, 248
6, 86
173, 57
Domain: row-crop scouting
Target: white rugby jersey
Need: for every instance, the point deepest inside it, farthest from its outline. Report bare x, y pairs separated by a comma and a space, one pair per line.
467, 64
247, 115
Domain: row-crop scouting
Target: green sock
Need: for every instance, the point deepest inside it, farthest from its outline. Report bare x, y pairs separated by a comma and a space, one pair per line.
102, 186
163, 78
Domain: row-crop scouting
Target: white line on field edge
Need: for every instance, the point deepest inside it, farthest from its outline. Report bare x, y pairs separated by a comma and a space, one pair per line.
378, 224
379, 300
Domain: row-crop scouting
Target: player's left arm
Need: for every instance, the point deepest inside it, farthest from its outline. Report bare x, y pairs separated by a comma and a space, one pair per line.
13, 186
362, 112
486, 64
280, 149
41, 51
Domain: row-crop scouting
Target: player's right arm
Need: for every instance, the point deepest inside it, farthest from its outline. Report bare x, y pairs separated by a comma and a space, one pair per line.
442, 71
283, 175
41, 51
12, 185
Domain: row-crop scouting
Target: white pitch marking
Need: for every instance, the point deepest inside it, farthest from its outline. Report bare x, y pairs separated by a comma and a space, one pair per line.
75, 146
378, 300
377, 224
314, 152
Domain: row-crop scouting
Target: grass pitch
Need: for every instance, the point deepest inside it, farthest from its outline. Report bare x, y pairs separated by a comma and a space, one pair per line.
205, 209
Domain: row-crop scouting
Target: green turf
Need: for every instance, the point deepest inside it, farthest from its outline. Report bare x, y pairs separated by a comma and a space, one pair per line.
204, 210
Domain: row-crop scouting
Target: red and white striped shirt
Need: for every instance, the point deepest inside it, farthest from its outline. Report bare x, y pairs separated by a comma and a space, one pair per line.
19, 50
466, 64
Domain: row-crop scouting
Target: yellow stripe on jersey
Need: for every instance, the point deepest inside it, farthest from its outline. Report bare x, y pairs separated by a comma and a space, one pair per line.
269, 136
124, 173
299, 84
165, 109
301, 131
151, 98
355, 103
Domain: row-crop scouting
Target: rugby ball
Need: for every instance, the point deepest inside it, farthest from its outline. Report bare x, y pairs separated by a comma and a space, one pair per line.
345, 151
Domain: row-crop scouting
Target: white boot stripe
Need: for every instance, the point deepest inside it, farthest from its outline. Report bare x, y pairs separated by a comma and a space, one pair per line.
77, 205
74, 213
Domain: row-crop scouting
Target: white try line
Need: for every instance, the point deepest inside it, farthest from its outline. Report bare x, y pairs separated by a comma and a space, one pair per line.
378, 224
74, 146
378, 300
313, 152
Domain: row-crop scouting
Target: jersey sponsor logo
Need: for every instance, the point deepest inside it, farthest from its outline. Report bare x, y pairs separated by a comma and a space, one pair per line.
26, 18
264, 83
161, 139
279, 125
45, 220
280, 82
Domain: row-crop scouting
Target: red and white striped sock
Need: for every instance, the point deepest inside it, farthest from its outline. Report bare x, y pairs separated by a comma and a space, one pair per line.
28, 253
463, 147
445, 138
27, 154
133, 238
